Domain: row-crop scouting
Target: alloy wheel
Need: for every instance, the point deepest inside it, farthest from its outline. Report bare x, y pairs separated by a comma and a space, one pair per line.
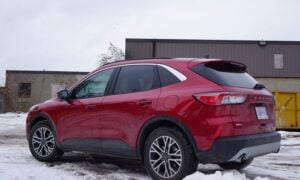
165, 156
43, 142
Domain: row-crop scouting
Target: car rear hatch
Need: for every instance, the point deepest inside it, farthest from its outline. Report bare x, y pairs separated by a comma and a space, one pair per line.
251, 104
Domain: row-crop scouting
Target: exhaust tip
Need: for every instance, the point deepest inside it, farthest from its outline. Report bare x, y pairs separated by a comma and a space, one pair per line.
243, 157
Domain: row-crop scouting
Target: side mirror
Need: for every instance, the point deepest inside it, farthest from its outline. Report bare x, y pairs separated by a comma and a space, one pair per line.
63, 94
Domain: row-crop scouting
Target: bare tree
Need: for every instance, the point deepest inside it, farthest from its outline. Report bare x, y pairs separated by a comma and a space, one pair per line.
114, 54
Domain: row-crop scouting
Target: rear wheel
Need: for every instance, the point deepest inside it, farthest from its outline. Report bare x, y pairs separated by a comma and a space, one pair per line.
42, 142
167, 155
236, 165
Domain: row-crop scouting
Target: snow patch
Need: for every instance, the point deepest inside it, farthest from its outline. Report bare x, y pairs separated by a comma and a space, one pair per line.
16, 161
231, 175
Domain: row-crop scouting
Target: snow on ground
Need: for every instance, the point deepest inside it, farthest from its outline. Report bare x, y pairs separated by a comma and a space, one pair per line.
16, 161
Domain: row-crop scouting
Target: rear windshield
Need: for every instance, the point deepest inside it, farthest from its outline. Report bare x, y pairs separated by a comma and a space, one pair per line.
226, 74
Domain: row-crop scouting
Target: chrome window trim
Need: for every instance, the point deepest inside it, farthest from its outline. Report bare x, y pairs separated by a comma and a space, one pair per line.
175, 72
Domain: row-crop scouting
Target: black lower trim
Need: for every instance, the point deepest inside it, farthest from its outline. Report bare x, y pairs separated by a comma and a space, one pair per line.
115, 148
223, 149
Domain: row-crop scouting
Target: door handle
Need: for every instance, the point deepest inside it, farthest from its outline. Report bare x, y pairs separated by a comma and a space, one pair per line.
90, 107
144, 102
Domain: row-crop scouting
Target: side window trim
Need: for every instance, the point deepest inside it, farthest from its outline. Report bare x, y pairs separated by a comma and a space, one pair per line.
157, 76
113, 81
175, 72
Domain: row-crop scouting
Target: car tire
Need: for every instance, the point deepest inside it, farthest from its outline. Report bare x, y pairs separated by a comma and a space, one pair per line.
168, 155
236, 165
42, 142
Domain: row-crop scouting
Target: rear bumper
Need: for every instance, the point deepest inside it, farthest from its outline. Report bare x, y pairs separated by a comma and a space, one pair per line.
240, 147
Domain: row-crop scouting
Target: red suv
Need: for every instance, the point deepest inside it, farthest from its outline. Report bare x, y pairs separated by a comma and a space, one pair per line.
168, 113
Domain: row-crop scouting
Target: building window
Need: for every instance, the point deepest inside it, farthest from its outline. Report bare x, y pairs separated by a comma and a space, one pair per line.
278, 61
24, 90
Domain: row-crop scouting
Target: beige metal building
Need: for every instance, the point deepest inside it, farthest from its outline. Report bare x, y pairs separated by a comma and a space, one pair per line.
26, 88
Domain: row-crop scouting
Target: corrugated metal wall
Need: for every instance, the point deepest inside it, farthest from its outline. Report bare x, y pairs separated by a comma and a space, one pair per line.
139, 49
259, 59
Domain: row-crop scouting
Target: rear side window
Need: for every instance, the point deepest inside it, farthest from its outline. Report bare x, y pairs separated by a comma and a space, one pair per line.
166, 77
226, 74
135, 79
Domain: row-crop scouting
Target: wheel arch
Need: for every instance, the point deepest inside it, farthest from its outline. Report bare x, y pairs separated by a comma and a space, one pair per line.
162, 121
41, 117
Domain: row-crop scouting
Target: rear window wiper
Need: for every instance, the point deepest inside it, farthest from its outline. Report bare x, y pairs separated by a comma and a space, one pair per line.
259, 86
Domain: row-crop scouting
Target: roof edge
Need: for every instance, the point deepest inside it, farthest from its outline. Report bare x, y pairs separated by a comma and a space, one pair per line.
46, 72
217, 41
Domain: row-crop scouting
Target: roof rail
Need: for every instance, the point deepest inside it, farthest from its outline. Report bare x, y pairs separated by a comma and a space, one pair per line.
135, 59
120, 60
148, 58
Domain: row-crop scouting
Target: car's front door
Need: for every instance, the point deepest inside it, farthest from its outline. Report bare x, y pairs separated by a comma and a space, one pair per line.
79, 122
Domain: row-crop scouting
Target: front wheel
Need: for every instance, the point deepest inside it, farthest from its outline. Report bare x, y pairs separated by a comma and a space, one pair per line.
42, 142
167, 155
236, 165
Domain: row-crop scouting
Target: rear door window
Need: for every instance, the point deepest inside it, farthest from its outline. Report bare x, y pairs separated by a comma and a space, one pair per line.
226, 73
136, 78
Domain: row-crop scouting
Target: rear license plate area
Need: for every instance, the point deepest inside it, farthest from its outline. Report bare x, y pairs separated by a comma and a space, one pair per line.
261, 113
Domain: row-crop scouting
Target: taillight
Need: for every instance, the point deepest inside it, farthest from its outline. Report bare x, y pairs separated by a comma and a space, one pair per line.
221, 98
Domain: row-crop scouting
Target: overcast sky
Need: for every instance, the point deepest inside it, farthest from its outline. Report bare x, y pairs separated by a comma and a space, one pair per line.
70, 34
